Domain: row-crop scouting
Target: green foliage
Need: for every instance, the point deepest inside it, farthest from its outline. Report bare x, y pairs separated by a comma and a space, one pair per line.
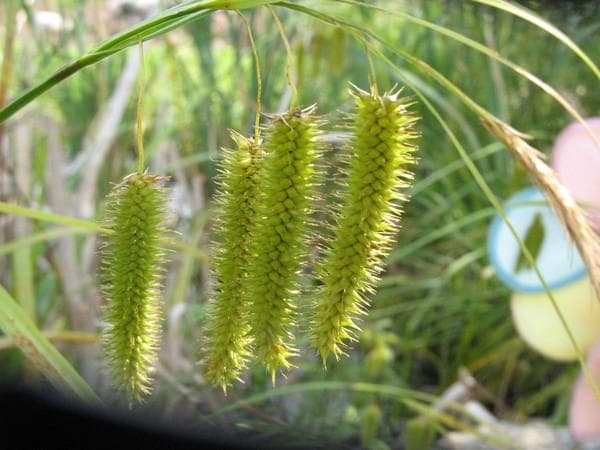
279, 242
16, 324
369, 424
380, 153
437, 296
534, 238
226, 327
419, 434
132, 281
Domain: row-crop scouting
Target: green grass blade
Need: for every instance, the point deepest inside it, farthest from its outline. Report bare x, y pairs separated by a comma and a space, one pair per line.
362, 36
15, 324
42, 236
74, 337
358, 32
449, 168
492, 437
448, 108
432, 73
452, 227
31, 213
151, 28
315, 386
529, 16
491, 53
478, 176
84, 225
23, 280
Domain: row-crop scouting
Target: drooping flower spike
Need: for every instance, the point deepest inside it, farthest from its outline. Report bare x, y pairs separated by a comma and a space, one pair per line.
226, 334
131, 263
280, 238
380, 154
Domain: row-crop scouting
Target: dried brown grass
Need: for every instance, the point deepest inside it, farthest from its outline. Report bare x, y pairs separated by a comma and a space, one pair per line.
572, 216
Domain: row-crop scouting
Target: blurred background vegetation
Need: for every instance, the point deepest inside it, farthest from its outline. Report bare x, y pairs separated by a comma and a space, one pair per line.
439, 314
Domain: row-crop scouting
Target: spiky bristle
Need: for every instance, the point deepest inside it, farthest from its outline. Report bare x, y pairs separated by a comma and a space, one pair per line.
226, 338
280, 238
380, 153
132, 262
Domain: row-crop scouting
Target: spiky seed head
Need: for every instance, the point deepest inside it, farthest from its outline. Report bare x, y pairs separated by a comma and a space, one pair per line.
280, 238
226, 337
380, 152
131, 281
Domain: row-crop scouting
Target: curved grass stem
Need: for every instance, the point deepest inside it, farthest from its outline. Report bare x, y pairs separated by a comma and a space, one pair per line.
79, 226
139, 122
258, 77
172, 18
290, 58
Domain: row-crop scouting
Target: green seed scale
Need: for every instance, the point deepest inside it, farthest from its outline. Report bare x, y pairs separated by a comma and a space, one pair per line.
280, 241
226, 339
132, 262
380, 152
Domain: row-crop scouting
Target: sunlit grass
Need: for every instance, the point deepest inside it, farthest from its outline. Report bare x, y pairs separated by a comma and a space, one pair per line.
438, 297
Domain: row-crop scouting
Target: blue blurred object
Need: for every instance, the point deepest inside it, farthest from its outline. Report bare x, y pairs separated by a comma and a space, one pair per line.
557, 257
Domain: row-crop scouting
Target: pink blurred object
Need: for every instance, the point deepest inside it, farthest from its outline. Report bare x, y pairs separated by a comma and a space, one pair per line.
576, 160
584, 412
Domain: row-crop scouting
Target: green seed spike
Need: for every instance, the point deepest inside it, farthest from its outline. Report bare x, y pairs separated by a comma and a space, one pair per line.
226, 335
380, 152
131, 275
280, 238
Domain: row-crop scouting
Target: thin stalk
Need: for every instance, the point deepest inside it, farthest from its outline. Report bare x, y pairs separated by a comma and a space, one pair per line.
372, 73
258, 78
139, 123
316, 386
74, 337
42, 236
290, 58
530, 17
31, 213
89, 226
